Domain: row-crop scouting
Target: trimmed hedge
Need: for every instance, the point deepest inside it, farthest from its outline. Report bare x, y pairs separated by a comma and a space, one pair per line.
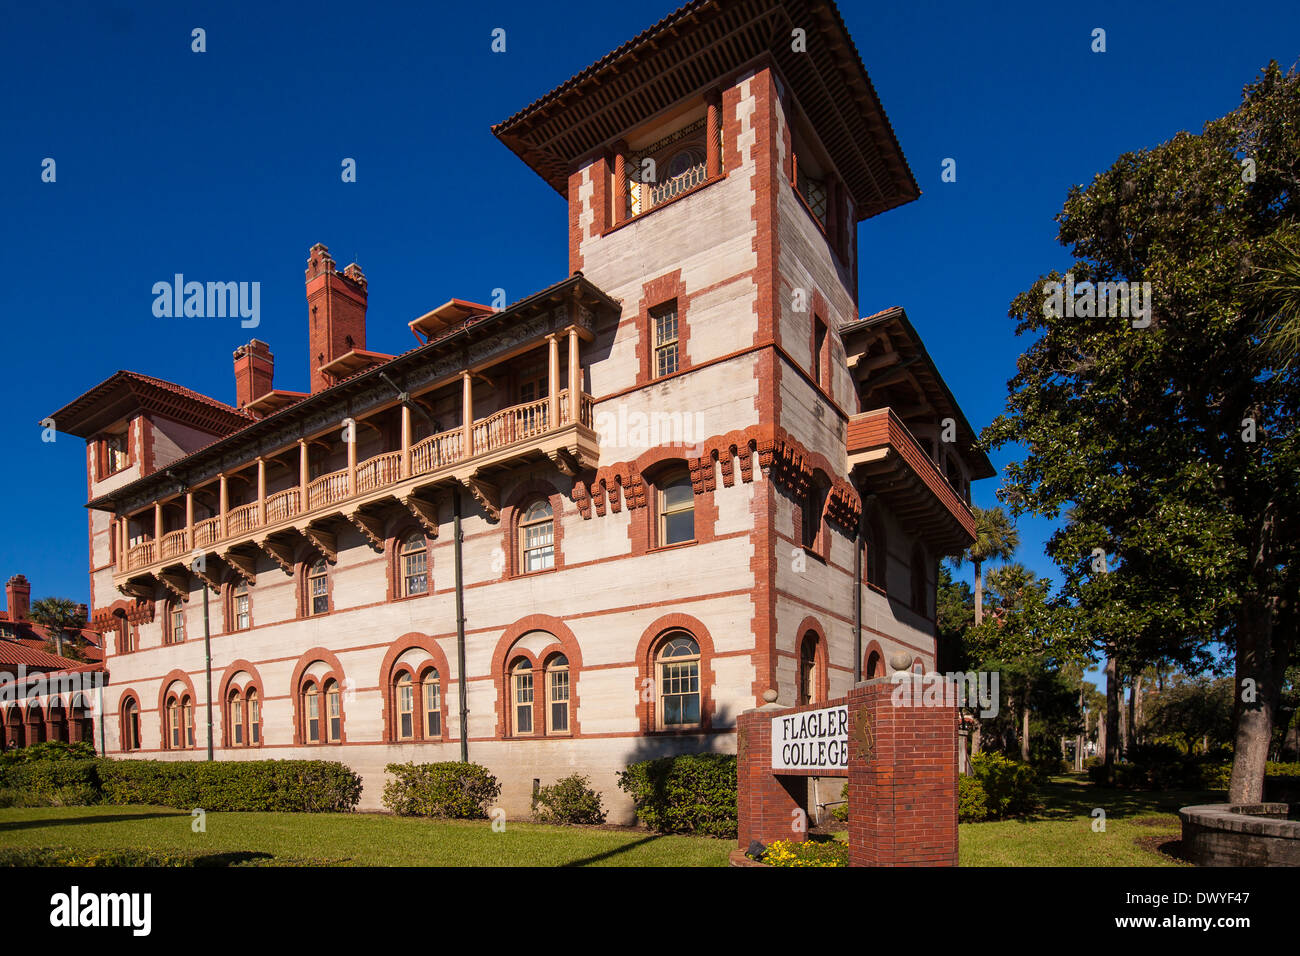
49, 750
304, 786
693, 793
452, 789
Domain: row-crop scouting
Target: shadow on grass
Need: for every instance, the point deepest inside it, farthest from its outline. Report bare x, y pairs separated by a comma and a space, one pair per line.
1067, 797
73, 821
588, 860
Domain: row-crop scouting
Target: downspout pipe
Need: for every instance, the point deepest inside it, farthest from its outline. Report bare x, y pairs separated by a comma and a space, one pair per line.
463, 682
858, 548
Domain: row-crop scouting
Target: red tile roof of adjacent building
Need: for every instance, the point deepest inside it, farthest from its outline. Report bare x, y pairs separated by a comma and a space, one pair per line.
19, 652
110, 400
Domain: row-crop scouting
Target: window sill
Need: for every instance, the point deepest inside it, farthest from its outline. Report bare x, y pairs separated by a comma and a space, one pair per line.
813, 553
672, 547
665, 204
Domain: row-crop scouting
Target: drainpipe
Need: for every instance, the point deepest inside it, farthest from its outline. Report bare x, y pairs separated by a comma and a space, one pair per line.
858, 546
207, 662
103, 750
460, 629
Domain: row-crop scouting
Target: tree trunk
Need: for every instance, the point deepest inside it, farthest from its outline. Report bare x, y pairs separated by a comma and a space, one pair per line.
1258, 681
1112, 717
975, 738
979, 590
1024, 728
1081, 736
1137, 709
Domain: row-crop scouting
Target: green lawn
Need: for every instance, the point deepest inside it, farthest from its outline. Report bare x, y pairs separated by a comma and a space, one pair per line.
1061, 834
353, 839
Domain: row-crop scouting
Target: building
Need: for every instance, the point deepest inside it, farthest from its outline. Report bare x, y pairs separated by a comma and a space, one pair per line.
683, 475
49, 682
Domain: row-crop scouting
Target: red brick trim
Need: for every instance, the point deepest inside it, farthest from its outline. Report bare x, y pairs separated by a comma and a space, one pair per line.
646, 649
334, 673
654, 293
566, 643
874, 647
129, 696
388, 671
170, 678
575, 220
821, 669
223, 697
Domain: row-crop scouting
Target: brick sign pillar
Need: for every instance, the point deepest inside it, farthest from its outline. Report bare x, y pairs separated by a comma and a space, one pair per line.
902, 776
766, 803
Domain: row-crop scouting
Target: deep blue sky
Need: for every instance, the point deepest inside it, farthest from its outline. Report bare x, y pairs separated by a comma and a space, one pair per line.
225, 166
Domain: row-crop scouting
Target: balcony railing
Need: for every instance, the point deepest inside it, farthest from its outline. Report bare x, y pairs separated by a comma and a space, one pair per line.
509, 426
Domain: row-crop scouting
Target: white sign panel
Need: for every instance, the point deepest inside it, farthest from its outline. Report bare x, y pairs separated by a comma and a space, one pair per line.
812, 740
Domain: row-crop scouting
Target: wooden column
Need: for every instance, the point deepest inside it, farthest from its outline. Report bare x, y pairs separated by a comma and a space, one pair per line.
304, 470
406, 440
352, 461
261, 492
157, 529
189, 519
620, 183
552, 381
575, 377
467, 414
713, 143
224, 504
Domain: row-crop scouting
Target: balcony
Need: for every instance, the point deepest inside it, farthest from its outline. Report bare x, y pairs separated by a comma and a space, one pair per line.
888, 459
470, 457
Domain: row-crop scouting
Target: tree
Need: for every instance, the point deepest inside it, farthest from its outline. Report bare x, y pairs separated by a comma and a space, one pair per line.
995, 540
1192, 711
1154, 412
63, 621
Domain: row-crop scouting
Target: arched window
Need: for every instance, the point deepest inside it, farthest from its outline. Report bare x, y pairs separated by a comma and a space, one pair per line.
675, 501
130, 725
318, 588
311, 714
537, 537
808, 669
521, 696
920, 582
557, 695
334, 710
810, 511
415, 565
175, 622
875, 665
432, 706
174, 722
236, 718
242, 606
254, 718
678, 674
187, 716
405, 696
35, 725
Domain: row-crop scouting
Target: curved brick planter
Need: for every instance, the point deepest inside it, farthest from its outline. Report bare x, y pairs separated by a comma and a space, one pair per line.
1220, 834
737, 858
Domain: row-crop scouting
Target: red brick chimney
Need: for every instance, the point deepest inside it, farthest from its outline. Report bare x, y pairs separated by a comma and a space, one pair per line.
19, 595
336, 312
254, 369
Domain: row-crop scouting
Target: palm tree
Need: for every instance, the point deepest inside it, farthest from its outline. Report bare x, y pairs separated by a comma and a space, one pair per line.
995, 540
1276, 291
62, 619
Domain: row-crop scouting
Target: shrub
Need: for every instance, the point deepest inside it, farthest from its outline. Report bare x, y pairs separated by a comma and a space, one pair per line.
972, 801
1008, 785
49, 750
449, 789
570, 800
692, 793
808, 853
54, 782
302, 786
